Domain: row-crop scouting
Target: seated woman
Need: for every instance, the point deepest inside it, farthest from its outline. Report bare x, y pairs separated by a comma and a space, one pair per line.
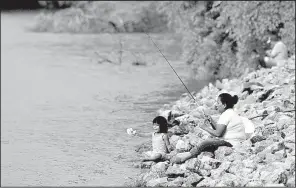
229, 130
278, 55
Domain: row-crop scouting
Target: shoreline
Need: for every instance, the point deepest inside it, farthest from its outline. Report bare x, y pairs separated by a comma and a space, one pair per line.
268, 160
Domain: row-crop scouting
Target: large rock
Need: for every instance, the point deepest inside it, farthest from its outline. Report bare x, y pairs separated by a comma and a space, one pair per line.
175, 171
206, 154
254, 183
228, 180
177, 113
176, 182
174, 139
274, 185
193, 164
269, 158
222, 152
150, 176
223, 168
182, 146
209, 163
249, 163
274, 175
291, 148
192, 180
251, 86
208, 182
292, 167
257, 138
259, 158
216, 173
159, 182
236, 156
249, 100
278, 136
289, 164
237, 167
260, 146
160, 167
177, 130
285, 121
291, 182
290, 138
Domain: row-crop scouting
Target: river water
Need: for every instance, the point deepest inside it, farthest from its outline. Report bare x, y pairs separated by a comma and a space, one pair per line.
64, 116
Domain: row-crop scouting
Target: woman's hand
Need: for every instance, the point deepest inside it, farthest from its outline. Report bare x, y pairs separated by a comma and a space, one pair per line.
209, 119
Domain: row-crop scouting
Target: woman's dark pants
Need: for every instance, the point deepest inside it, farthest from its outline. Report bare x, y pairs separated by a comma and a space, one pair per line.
210, 144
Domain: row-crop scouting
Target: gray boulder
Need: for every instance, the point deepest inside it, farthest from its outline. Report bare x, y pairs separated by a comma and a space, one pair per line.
159, 182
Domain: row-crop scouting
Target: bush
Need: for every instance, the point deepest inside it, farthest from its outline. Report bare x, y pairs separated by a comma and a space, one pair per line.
224, 38
102, 17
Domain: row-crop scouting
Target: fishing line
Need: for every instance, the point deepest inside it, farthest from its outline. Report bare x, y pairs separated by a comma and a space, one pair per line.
170, 66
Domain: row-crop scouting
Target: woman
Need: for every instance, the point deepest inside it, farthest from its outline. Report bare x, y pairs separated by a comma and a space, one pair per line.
229, 129
278, 55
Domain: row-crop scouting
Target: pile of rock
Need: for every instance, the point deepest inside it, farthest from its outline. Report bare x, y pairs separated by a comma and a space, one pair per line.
266, 159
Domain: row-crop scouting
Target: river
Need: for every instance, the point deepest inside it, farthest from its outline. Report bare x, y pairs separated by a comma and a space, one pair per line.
64, 116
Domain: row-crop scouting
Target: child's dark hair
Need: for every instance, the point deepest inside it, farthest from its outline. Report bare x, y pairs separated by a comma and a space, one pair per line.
228, 100
162, 122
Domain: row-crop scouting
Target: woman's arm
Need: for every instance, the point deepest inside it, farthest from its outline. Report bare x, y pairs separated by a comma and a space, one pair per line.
220, 126
167, 142
211, 121
220, 129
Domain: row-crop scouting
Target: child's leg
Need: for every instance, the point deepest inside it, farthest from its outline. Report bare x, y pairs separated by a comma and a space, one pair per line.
150, 156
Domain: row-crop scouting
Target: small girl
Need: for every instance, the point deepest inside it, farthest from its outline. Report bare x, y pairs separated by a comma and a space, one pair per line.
160, 141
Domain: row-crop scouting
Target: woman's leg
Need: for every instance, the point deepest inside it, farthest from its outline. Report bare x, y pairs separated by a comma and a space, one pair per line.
209, 143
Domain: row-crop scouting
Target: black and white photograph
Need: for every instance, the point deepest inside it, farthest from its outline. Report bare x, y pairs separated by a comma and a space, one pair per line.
147, 93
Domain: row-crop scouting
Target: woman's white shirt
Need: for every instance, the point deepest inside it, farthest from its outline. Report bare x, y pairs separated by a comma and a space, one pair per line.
235, 130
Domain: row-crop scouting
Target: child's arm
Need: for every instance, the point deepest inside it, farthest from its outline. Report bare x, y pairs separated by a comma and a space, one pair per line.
167, 142
142, 134
132, 132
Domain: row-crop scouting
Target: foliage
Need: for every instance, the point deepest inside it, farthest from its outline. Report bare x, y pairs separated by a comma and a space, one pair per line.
102, 17
224, 38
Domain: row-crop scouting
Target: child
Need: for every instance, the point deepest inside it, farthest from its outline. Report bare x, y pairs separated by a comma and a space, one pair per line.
160, 140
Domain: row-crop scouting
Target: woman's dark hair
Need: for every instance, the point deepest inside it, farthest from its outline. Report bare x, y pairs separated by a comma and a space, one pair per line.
228, 100
162, 122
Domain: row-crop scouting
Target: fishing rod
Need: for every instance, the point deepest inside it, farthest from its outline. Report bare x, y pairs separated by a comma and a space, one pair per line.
170, 65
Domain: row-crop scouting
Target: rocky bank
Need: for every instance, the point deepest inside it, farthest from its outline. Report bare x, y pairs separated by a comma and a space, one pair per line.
267, 97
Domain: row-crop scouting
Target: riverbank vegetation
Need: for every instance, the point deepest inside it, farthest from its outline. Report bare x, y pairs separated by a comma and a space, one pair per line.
224, 38
221, 39
103, 17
